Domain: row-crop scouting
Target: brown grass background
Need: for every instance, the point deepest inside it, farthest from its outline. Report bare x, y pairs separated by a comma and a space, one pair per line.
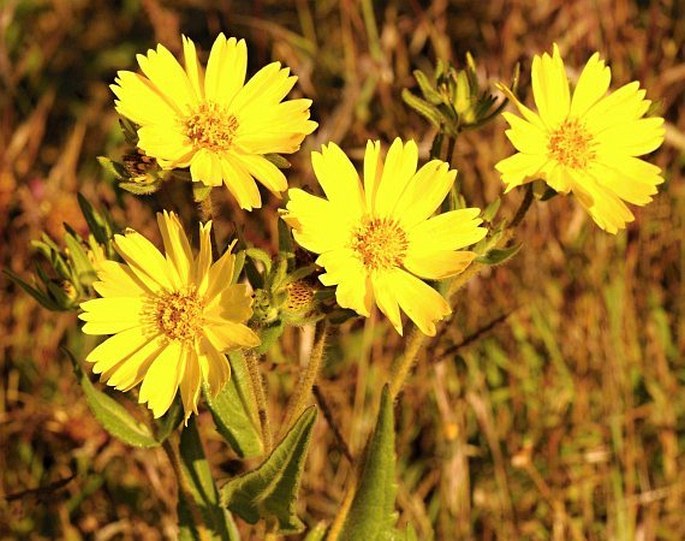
565, 421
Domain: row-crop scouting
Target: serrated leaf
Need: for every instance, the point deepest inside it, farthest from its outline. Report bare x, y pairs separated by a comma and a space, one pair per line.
216, 522
113, 417
425, 109
270, 491
235, 412
497, 256
372, 515
427, 89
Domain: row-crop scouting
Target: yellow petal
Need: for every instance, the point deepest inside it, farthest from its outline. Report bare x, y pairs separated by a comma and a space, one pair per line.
141, 101
448, 231
206, 167
385, 295
226, 68
234, 304
438, 265
424, 193
169, 77
164, 141
346, 271
339, 179
418, 300
593, 84
190, 385
550, 88
229, 335
131, 370
214, 366
265, 89
193, 68
144, 260
162, 378
204, 258
117, 280
265, 172
632, 179
634, 138
176, 244
219, 276
240, 183
398, 169
520, 168
117, 348
603, 205
625, 104
528, 114
526, 137
111, 315
373, 171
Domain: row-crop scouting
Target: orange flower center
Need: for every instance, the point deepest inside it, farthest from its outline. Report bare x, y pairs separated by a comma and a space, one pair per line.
211, 127
179, 315
380, 243
572, 145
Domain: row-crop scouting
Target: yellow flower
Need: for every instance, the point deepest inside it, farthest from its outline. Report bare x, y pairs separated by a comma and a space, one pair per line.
212, 121
585, 143
375, 240
172, 317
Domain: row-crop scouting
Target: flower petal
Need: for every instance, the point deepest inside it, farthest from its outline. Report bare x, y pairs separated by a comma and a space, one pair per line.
226, 68
176, 244
240, 183
265, 172
593, 84
399, 168
385, 295
112, 315
418, 300
448, 231
162, 378
169, 77
550, 88
438, 265
520, 168
424, 193
339, 179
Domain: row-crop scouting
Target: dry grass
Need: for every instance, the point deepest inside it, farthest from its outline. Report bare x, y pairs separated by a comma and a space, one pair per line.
564, 421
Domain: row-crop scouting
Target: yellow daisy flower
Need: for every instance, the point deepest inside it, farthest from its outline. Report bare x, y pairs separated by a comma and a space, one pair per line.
586, 143
172, 317
212, 121
377, 239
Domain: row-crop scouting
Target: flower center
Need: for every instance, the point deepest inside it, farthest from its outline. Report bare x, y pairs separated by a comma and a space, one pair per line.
572, 145
179, 315
211, 127
380, 243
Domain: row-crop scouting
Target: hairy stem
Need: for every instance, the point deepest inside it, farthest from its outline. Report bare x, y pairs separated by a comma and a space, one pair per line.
308, 376
259, 391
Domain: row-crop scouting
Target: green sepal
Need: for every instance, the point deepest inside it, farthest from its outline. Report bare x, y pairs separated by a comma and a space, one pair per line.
217, 522
116, 169
81, 265
113, 417
141, 189
491, 210
235, 412
372, 515
317, 533
257, 254
429, 111
168, 423
269, 334
278, 160
270, 491
200, 192
98, 223
427, 89
497, 256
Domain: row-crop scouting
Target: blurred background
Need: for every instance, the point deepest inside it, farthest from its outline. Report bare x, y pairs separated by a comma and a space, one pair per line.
554, 405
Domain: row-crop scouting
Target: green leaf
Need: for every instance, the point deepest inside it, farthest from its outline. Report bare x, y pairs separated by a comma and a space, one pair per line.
198, 498
425, 109
41, 297
497, 256
235, 412
169, 421
114, 417
98, 224
257, 254
372, 515
81, 265
115, 169
270, 491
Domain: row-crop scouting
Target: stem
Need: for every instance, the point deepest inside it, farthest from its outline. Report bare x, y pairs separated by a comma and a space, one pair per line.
309, 375
184, 488
260, 398
523, 207
328, 414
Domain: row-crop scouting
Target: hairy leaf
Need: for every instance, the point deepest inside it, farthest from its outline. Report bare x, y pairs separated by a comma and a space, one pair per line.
270, 491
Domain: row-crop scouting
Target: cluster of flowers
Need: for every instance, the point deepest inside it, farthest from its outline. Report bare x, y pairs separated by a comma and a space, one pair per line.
173, 316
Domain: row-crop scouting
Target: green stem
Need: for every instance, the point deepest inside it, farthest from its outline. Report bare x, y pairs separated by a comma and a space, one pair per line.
309, 375
523, 207
171, 447
259, 392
